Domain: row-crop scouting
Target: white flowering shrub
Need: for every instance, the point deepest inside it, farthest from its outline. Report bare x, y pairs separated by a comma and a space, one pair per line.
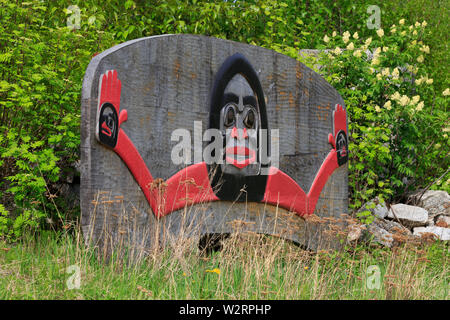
398, 124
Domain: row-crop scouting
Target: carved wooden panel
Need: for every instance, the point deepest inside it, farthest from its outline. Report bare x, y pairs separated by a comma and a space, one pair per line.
137, 94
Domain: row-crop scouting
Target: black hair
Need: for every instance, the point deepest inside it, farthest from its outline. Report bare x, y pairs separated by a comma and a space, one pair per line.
228, 186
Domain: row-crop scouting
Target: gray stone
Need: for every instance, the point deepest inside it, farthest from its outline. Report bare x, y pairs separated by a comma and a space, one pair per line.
386, 232
376, 207
380, 235
443, 221
409, 216
435, 202
355, 232
441, 233
393, 227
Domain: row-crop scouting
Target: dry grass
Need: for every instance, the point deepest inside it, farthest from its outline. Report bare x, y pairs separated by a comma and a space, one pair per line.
249, 266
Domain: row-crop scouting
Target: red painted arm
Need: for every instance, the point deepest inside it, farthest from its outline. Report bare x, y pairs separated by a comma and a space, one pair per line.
129, 154
188, 186
283, 191
328, 166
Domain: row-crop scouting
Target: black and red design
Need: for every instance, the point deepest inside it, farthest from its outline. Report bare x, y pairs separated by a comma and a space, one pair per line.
238, 110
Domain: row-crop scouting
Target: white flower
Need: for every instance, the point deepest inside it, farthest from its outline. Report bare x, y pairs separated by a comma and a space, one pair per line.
420, 59
429, 81
395, 73
388, 105
415, 99
385, 72
446, 92
334, 34
414, 42
375, 61
368, 41
379, 76
395, 96
425, 49
402, 21
346, 36
385, 49
420, 106
403, 33
377, 109
337, 51
380, 32
393, 30
424, 23
414, 33
351, 46
355, 35
417, 24
411, 27
404, 100
326, 39
357, 53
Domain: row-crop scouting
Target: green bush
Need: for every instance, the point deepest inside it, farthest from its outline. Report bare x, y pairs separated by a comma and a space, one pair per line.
43, 63
398, 121
42, 70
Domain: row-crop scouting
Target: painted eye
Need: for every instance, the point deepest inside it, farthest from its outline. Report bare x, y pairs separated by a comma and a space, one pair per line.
249, 120
229, 117
110, 122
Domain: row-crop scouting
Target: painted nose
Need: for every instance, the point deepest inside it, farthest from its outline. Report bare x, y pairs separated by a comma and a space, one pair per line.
235, 133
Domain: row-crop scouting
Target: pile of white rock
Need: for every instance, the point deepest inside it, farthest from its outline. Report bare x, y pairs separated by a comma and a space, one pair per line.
429, 216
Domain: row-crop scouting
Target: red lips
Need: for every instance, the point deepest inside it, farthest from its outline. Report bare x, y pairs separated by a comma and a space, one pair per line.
233, 152
106, 130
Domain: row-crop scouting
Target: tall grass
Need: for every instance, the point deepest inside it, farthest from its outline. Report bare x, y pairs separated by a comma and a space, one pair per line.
250, 266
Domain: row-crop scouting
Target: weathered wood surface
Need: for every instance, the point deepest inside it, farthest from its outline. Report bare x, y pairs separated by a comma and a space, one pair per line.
166, 84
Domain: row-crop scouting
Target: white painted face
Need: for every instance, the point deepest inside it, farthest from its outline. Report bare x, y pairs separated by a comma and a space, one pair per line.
240, 123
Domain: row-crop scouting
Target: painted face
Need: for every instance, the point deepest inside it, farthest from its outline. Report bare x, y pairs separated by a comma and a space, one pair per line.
240, 124
107, 127
342, 147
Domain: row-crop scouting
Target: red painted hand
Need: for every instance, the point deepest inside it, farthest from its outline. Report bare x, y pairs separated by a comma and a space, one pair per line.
109, 116
339, 139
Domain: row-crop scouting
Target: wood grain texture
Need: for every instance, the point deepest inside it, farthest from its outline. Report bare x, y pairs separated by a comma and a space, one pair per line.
166, 85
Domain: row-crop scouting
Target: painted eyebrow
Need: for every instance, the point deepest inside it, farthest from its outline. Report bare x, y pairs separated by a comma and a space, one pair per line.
250, 100
230, 97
